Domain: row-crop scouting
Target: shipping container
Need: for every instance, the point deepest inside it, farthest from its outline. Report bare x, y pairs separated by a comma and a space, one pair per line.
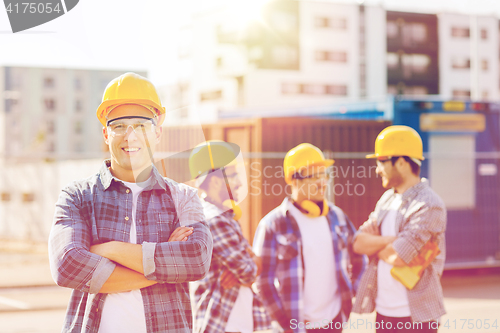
264, 142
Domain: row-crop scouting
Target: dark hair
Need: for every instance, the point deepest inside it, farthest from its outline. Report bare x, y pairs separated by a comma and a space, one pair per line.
415, 168
204, 186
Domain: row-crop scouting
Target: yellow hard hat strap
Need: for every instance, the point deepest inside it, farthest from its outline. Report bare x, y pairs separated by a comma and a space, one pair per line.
227, 184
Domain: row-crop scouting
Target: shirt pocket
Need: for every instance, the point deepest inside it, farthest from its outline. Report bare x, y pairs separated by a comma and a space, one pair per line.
287, 247
159, 227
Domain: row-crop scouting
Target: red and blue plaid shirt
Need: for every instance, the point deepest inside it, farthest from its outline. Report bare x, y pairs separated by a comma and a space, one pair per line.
278, 242
96, 210
212, 304
421, 217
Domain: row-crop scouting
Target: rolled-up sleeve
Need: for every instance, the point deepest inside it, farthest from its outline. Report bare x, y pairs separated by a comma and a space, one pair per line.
72, 264
230, 249
426, 222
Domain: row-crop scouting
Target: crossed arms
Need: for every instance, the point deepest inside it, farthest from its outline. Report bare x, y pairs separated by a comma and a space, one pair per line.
424, 221
117, 266
370, 242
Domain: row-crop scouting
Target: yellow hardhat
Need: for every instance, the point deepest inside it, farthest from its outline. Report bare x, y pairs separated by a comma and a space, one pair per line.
211, 155
131, 88
398, 141
303, 156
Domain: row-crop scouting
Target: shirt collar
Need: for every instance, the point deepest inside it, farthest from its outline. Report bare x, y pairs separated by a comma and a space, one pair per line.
106, 177
210, 210
412, 191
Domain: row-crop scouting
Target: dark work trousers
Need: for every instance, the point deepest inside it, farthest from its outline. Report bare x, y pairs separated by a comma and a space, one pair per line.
403, 324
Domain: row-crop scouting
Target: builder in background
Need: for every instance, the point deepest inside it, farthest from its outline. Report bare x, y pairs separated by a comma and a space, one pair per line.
408, 217
306, 245
126, 239
223, 301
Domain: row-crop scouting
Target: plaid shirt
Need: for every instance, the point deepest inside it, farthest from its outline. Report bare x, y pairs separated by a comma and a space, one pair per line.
278, 242
96, 210
211, 303
422, 216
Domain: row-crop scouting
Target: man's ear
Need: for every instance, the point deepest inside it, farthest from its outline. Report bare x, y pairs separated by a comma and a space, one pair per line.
105, 135
158, 131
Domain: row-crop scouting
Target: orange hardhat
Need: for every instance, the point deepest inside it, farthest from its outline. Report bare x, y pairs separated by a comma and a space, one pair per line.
131, 88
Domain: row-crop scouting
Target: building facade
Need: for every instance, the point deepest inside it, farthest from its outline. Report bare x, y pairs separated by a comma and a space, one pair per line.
50, 112
312, 53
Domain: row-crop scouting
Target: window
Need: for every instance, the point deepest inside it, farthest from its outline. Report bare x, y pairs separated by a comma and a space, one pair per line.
78, 147
392, 89
460, 32
419, 32
392, 61
338, 23
78, 105
460, 93
321, 22
420, 63
414, 33
392, 29
78, 84
415, 90
48, 82
51, 126
28, 197
415, 64
314, 89
484, 64
78, 127
211, 95
484, 34
5, 196
460, 63
337, 90
9, 104
290, 88
50, 104
333, 56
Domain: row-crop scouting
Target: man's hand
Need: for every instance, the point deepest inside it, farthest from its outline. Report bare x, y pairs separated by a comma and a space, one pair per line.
180, 234
256, 260
370, 227
390, 256
228, 280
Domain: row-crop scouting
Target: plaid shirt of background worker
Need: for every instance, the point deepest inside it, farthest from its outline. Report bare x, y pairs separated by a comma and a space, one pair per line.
422, 216
95, 210
278, 242
211, 303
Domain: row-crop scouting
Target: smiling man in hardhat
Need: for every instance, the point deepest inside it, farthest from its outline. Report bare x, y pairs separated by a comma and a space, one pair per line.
223, 301
409, 218
306, 246
128, 240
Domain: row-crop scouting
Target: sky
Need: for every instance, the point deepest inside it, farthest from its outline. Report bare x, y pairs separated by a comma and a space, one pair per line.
142, 35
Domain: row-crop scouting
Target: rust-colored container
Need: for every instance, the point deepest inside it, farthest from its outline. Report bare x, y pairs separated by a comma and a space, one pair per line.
264, 142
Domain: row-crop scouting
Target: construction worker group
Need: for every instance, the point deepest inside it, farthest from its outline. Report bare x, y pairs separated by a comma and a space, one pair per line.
144, 253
